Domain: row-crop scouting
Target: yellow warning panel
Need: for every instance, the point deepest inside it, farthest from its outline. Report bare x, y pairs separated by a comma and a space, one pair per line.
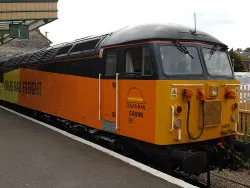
10, 86
1, 90
174, 93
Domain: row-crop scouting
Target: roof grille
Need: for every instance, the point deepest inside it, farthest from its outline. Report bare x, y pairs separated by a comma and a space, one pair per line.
10, 62
49, 54
18, 60
36, 57
25, 59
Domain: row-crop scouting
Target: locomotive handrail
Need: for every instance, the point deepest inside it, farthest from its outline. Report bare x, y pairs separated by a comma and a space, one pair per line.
187, 84
99, 96
116, 100
230, 84
172, 126
179, 134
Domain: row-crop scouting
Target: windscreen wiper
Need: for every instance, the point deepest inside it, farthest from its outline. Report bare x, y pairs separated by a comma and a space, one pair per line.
212, 52
182, 48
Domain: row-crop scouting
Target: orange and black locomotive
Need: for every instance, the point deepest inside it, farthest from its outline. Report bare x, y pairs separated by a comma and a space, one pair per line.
167, 90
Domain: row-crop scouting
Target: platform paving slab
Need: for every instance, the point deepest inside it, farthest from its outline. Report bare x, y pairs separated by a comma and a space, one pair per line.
34, 156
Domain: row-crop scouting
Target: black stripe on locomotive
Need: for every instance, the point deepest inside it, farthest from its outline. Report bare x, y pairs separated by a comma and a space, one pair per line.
69, 58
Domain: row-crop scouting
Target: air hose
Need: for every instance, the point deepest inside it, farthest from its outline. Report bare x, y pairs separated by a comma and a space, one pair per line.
203, 122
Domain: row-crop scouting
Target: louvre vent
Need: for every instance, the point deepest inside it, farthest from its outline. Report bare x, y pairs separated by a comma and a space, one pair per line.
25, 59
18, 60
36, 57
49, 54
11, 61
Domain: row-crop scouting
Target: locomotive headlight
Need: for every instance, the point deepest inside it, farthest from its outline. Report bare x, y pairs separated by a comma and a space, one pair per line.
214, 91
234, 116
178, 122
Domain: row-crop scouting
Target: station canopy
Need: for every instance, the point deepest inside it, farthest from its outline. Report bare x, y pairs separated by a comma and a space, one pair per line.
19, 17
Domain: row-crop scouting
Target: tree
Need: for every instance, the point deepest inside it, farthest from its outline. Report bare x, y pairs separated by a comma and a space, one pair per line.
239, 50
247, 49
238, 64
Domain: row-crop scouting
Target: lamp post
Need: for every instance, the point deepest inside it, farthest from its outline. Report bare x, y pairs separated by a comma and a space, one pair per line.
46, 34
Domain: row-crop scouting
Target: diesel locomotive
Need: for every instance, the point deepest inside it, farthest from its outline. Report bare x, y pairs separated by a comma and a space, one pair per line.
169, 91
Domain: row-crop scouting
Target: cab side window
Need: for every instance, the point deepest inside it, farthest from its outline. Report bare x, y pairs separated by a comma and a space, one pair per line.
110, 63
138, 61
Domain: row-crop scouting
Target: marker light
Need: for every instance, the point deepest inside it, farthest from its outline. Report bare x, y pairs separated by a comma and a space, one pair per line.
178, 122
178, 109
235, 106
213, 91
234, 116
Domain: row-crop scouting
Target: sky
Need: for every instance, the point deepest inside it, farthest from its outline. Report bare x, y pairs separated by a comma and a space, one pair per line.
227, 20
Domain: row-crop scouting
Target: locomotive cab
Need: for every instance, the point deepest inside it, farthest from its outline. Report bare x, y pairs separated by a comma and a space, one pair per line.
177, 92
186, 91
202, 93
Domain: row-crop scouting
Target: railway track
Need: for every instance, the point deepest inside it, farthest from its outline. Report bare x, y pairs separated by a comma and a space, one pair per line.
190, 179
231, 180
197, 181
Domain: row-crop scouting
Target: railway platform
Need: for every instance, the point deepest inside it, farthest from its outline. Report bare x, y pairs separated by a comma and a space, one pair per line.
33, 155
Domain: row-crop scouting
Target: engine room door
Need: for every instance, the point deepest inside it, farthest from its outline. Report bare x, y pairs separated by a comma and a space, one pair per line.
109, 84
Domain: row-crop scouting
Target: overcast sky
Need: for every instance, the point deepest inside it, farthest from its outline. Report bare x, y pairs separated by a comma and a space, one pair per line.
227, 20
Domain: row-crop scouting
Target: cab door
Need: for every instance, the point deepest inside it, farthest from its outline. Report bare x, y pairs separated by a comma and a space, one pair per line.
109, 84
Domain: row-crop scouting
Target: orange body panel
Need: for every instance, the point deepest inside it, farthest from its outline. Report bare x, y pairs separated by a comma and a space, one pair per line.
76, 98
70, 97
137, 99
108, 89
144, 106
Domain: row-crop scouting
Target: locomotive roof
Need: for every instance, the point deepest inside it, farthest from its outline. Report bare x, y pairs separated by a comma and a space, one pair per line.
159, 31
89, 46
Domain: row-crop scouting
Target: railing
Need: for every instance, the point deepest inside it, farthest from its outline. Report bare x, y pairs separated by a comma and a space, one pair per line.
244, 105
244, 115
245, 97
